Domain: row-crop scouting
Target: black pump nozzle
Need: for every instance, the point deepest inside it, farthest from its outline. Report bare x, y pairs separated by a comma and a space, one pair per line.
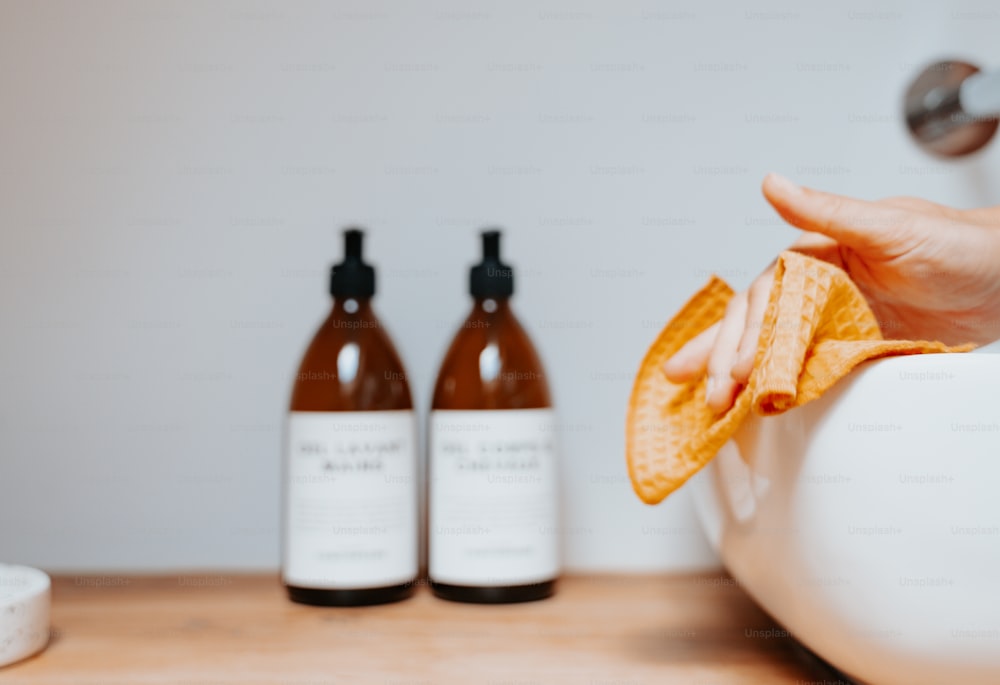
491, 277
491, 245
352, 243
352, 277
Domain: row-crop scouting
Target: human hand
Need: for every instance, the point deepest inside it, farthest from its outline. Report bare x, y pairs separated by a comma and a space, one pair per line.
929, 272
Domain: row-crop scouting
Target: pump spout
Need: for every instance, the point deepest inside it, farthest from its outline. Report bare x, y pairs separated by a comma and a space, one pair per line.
353, 238
491, 245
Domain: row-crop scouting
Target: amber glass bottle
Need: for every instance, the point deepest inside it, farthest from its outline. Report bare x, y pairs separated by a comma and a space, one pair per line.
493, 504
350, 506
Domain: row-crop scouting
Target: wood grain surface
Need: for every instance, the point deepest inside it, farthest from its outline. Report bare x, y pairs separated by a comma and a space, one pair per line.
221, 629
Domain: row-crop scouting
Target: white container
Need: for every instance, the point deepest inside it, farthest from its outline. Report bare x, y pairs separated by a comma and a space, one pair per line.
867, 522
24, 612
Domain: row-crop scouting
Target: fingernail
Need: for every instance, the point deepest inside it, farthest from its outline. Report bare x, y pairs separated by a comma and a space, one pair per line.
709, 387
783, 184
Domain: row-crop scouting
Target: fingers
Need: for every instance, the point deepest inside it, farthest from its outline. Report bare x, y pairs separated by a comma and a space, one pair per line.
691, 361
725, 351
866, 227
757, 299
721, 389
876, 230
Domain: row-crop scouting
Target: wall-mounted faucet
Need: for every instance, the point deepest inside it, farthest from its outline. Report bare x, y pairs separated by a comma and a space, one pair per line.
952, 108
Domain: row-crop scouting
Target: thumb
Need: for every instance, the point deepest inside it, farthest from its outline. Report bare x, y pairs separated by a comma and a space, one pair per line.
865, 227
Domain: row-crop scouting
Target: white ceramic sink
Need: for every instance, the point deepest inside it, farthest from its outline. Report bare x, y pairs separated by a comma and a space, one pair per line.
24, 612
867, 523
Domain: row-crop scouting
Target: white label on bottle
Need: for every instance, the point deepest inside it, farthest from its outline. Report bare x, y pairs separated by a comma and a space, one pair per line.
493, 517
350, 500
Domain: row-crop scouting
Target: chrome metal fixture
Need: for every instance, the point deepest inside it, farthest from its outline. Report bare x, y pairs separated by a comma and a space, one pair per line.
952, 108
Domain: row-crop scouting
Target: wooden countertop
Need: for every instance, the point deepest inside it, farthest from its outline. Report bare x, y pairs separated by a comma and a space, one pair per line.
227, 629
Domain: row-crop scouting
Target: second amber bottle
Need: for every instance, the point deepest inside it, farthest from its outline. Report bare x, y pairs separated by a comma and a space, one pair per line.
493, 490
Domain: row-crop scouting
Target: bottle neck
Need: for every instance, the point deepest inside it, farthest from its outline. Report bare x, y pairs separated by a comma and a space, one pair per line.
491, 305
352, 306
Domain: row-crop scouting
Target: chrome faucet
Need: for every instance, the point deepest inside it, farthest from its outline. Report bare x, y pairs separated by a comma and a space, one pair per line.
952, 108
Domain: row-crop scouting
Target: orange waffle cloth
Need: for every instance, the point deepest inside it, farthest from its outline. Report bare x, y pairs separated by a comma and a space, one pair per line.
816, 329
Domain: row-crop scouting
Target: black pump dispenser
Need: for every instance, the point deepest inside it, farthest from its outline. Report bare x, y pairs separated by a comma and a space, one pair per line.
352, 277
491, 277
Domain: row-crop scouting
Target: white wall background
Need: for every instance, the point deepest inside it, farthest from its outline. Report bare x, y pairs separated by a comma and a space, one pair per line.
173, 177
